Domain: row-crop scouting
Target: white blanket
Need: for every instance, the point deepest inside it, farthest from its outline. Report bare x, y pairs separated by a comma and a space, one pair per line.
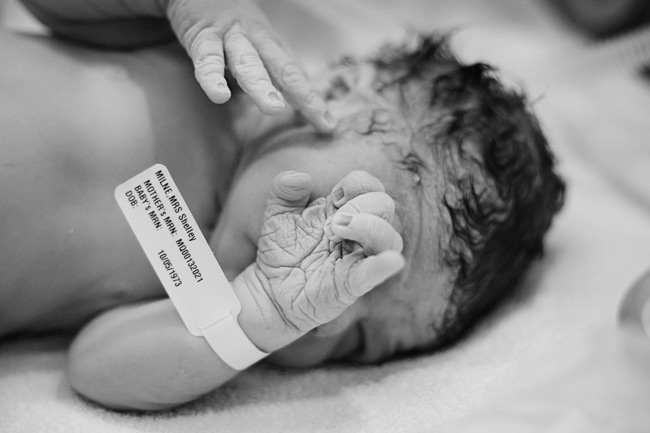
544, 362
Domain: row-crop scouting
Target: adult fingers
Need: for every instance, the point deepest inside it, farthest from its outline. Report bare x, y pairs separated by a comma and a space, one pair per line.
292, 81
206, 52
247, 67
372, 232
354, 184
290, 192
369, 272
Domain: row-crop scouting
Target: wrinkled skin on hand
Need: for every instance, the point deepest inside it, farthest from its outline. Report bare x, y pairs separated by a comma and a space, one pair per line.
311, 267
236, 34
307, 272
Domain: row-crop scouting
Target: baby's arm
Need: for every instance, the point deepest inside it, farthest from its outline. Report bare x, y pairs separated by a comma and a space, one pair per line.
309, 269
142, 357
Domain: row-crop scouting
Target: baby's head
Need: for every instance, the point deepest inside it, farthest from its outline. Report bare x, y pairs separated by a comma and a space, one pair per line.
472, 177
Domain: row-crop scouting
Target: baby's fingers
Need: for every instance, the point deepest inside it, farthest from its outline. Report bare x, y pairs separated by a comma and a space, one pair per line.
354, 184
292, 81
206, 52
372, 232
371, 271
300, 93
290, 192
246, 66
374, 203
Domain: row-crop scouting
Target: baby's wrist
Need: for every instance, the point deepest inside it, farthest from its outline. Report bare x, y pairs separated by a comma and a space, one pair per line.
259, 318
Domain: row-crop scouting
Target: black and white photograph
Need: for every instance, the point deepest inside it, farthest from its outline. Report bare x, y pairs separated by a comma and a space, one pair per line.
325, 216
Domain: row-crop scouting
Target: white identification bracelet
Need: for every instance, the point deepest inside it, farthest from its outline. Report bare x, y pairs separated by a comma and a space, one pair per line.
185, 264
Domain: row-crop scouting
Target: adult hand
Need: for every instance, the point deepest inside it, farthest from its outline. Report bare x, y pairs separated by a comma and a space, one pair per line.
235, 34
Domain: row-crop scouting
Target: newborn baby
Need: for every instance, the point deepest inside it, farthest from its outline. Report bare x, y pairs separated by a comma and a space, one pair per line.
470, 173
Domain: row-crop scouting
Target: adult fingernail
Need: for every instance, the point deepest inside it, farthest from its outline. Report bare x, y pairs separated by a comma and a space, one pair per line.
275, 99
342, 219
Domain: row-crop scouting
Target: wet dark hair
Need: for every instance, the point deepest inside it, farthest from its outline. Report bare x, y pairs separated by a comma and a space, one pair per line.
501, 190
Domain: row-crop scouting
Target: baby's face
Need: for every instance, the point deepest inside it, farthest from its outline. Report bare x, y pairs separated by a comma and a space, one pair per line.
402, 313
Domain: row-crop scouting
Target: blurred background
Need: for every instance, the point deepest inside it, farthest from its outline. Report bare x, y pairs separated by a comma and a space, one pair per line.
602, 18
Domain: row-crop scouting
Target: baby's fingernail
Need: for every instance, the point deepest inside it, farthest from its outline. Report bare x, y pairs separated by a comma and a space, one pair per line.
275, 99
222, 88
297, 175
342, 219
327, 228
337, 196
329, 232
331, 123
295, 179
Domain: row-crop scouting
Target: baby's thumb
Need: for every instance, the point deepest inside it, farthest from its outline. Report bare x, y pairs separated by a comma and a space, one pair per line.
374, 270
290, 191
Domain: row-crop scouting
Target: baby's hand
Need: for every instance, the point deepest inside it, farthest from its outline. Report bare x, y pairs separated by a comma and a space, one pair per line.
235, 34
315, 260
